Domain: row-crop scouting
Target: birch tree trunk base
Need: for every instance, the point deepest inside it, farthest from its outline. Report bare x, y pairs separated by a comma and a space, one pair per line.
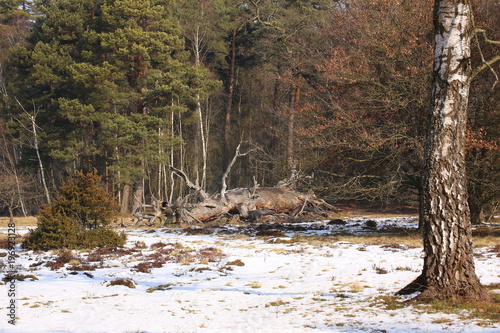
468, 290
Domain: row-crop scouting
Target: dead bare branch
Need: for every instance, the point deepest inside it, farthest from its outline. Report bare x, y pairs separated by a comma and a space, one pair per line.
189, 183
237, 154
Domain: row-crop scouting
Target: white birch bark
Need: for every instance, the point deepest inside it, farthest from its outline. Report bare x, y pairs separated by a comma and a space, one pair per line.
448, 265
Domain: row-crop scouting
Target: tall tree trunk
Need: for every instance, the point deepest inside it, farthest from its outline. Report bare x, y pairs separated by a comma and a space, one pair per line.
448, 264
40, 164
201, 132
127, 188
229, 101
138, 194
294, 101
274, 121
172, 181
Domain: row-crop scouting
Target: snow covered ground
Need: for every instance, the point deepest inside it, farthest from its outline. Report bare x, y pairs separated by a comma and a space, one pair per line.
231, 283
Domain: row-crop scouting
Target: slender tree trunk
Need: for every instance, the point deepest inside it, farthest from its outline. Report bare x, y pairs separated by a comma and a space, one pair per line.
181, 158
229, 102
42, 171
159, 192
201, 132
274, 123
448, 264
172, 180
294, 101
203, 142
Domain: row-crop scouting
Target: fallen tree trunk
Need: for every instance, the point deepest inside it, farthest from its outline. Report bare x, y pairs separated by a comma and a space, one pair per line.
251, 204
244, 200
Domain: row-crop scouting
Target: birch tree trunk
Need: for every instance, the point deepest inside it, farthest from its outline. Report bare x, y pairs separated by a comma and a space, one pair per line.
448, 264
229, 101
201, 133
40, 164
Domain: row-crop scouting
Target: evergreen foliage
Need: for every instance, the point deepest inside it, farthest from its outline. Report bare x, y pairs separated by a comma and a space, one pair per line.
106, 77
78, 218
84, 200
334, 89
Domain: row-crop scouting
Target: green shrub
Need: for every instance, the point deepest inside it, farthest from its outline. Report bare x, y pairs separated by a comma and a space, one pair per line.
101, 237
78, 218
55, 230
86, 202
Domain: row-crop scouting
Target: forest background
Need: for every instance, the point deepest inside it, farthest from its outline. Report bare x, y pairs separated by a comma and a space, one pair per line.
338, 91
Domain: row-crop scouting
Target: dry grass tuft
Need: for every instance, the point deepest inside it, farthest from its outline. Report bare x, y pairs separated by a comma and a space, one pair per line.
19, 277
277, 303
254, 284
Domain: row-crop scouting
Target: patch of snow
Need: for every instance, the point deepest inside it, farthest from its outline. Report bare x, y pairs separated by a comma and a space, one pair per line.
282, 287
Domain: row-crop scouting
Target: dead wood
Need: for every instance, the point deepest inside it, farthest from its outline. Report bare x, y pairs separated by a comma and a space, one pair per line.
247, 203
149, 215
252, 203
189, 184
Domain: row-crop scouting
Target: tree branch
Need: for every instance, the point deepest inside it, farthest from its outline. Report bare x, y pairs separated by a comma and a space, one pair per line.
485, 65
486, 39
228, 170
190, 184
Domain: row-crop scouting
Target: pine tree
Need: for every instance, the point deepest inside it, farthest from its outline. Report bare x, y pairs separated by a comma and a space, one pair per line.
105, 78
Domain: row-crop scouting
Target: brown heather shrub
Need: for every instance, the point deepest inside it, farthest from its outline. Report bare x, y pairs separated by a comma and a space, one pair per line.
4, 243
95, 257
83, 266
145, 267
122, 282
158, 245
64, 257
236, 262
210, 254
